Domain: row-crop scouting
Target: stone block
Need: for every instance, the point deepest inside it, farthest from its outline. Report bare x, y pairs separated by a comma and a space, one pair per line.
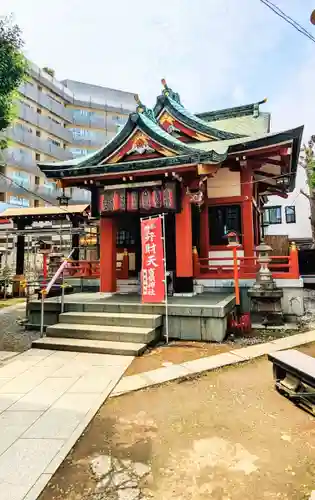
293, 301
213, 329
131, 383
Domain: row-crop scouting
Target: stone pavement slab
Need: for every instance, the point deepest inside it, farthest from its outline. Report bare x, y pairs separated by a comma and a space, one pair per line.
5, 355
47, 398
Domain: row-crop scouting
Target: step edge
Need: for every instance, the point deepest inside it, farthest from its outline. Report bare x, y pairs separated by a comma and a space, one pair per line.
104, 328
105, 314
51, 340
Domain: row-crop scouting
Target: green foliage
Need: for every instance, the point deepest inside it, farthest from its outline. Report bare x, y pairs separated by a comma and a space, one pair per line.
50, 71
13, 70
308, 161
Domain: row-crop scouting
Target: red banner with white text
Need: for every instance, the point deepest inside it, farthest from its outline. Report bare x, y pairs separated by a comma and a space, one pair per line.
153, 273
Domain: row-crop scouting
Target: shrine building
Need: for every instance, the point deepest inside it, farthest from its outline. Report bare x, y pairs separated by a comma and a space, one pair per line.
209, 173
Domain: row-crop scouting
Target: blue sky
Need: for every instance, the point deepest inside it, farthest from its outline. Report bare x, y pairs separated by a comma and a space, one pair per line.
215, 53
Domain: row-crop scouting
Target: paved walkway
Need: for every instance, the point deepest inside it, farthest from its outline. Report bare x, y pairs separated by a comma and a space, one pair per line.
47, 398
197, 366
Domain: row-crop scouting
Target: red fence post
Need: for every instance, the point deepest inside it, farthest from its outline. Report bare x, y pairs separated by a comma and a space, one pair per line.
294, 261
196, 263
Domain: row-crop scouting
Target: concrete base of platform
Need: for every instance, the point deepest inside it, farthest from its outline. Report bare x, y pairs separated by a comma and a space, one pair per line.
292, 301
202, 317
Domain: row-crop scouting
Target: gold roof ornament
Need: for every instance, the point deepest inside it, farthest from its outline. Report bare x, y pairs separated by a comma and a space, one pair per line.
140, 107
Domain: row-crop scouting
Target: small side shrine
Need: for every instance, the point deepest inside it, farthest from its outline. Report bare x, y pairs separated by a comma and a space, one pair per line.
210, 174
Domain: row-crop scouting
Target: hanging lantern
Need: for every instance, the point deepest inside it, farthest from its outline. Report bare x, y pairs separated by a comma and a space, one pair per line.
63, 199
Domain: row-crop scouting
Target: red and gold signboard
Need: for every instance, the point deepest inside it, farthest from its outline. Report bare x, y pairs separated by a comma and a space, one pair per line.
153, 273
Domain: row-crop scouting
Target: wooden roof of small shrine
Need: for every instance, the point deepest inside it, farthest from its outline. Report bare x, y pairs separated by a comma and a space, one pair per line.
144, 146
44, 213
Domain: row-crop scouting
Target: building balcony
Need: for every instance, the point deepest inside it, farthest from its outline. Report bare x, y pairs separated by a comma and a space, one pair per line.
32, 141
89, 121
25, 162
32, 92
85, 142
102, 122
29, 190
43, 122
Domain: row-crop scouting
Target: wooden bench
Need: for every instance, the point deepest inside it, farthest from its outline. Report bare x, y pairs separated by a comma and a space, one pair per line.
294, 374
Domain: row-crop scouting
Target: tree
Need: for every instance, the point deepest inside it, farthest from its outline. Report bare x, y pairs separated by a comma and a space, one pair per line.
307, 161
13, 70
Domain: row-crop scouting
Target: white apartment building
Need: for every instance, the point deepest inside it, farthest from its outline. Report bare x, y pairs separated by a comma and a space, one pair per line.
289, 216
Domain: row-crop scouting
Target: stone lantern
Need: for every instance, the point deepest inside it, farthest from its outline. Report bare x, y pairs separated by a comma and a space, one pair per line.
265, 296
264, 275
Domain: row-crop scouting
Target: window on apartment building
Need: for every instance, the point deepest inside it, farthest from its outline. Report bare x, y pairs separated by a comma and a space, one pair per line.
290, 216
20, 202
55, 121
2, 196
54, 142
37, 156
223, 219
20, 177
36, 203
78, 152
272, 215
38, 133
39, 111
40, 88
37, 180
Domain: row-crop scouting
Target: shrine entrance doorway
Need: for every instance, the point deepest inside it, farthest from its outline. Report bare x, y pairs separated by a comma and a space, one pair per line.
129, 238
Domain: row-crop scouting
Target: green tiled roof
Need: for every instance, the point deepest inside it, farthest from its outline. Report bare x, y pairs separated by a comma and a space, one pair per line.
136, 120
224, 114
177, 110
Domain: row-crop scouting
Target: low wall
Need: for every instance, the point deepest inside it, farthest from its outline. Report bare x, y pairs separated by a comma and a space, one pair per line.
293, 294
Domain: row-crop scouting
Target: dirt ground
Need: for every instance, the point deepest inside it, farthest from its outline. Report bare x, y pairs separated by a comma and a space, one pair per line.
176, 352
179, 351
227, 435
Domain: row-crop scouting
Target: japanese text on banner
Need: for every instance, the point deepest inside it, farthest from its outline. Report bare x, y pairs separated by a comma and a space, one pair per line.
153, 285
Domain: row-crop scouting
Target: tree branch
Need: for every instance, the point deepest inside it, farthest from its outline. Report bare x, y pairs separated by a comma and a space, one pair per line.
306, 195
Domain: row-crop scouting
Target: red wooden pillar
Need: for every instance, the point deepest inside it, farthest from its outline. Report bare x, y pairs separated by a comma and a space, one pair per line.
184, 251
247, 210
107, 255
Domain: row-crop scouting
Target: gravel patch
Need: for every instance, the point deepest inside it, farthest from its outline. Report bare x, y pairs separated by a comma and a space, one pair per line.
13, 336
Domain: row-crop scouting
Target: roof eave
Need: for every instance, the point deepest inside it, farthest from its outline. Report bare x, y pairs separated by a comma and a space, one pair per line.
195, 125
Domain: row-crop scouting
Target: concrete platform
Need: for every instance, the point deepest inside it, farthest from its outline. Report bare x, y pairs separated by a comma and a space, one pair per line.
201, 317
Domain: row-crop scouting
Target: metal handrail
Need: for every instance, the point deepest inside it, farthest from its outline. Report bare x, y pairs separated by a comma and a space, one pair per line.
46, 290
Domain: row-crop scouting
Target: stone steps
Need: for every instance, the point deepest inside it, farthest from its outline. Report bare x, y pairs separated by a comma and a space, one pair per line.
102, 332
91, 346
117, 307
112, 319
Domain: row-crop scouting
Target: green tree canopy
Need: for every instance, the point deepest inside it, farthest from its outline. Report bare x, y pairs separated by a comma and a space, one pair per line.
13, 68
